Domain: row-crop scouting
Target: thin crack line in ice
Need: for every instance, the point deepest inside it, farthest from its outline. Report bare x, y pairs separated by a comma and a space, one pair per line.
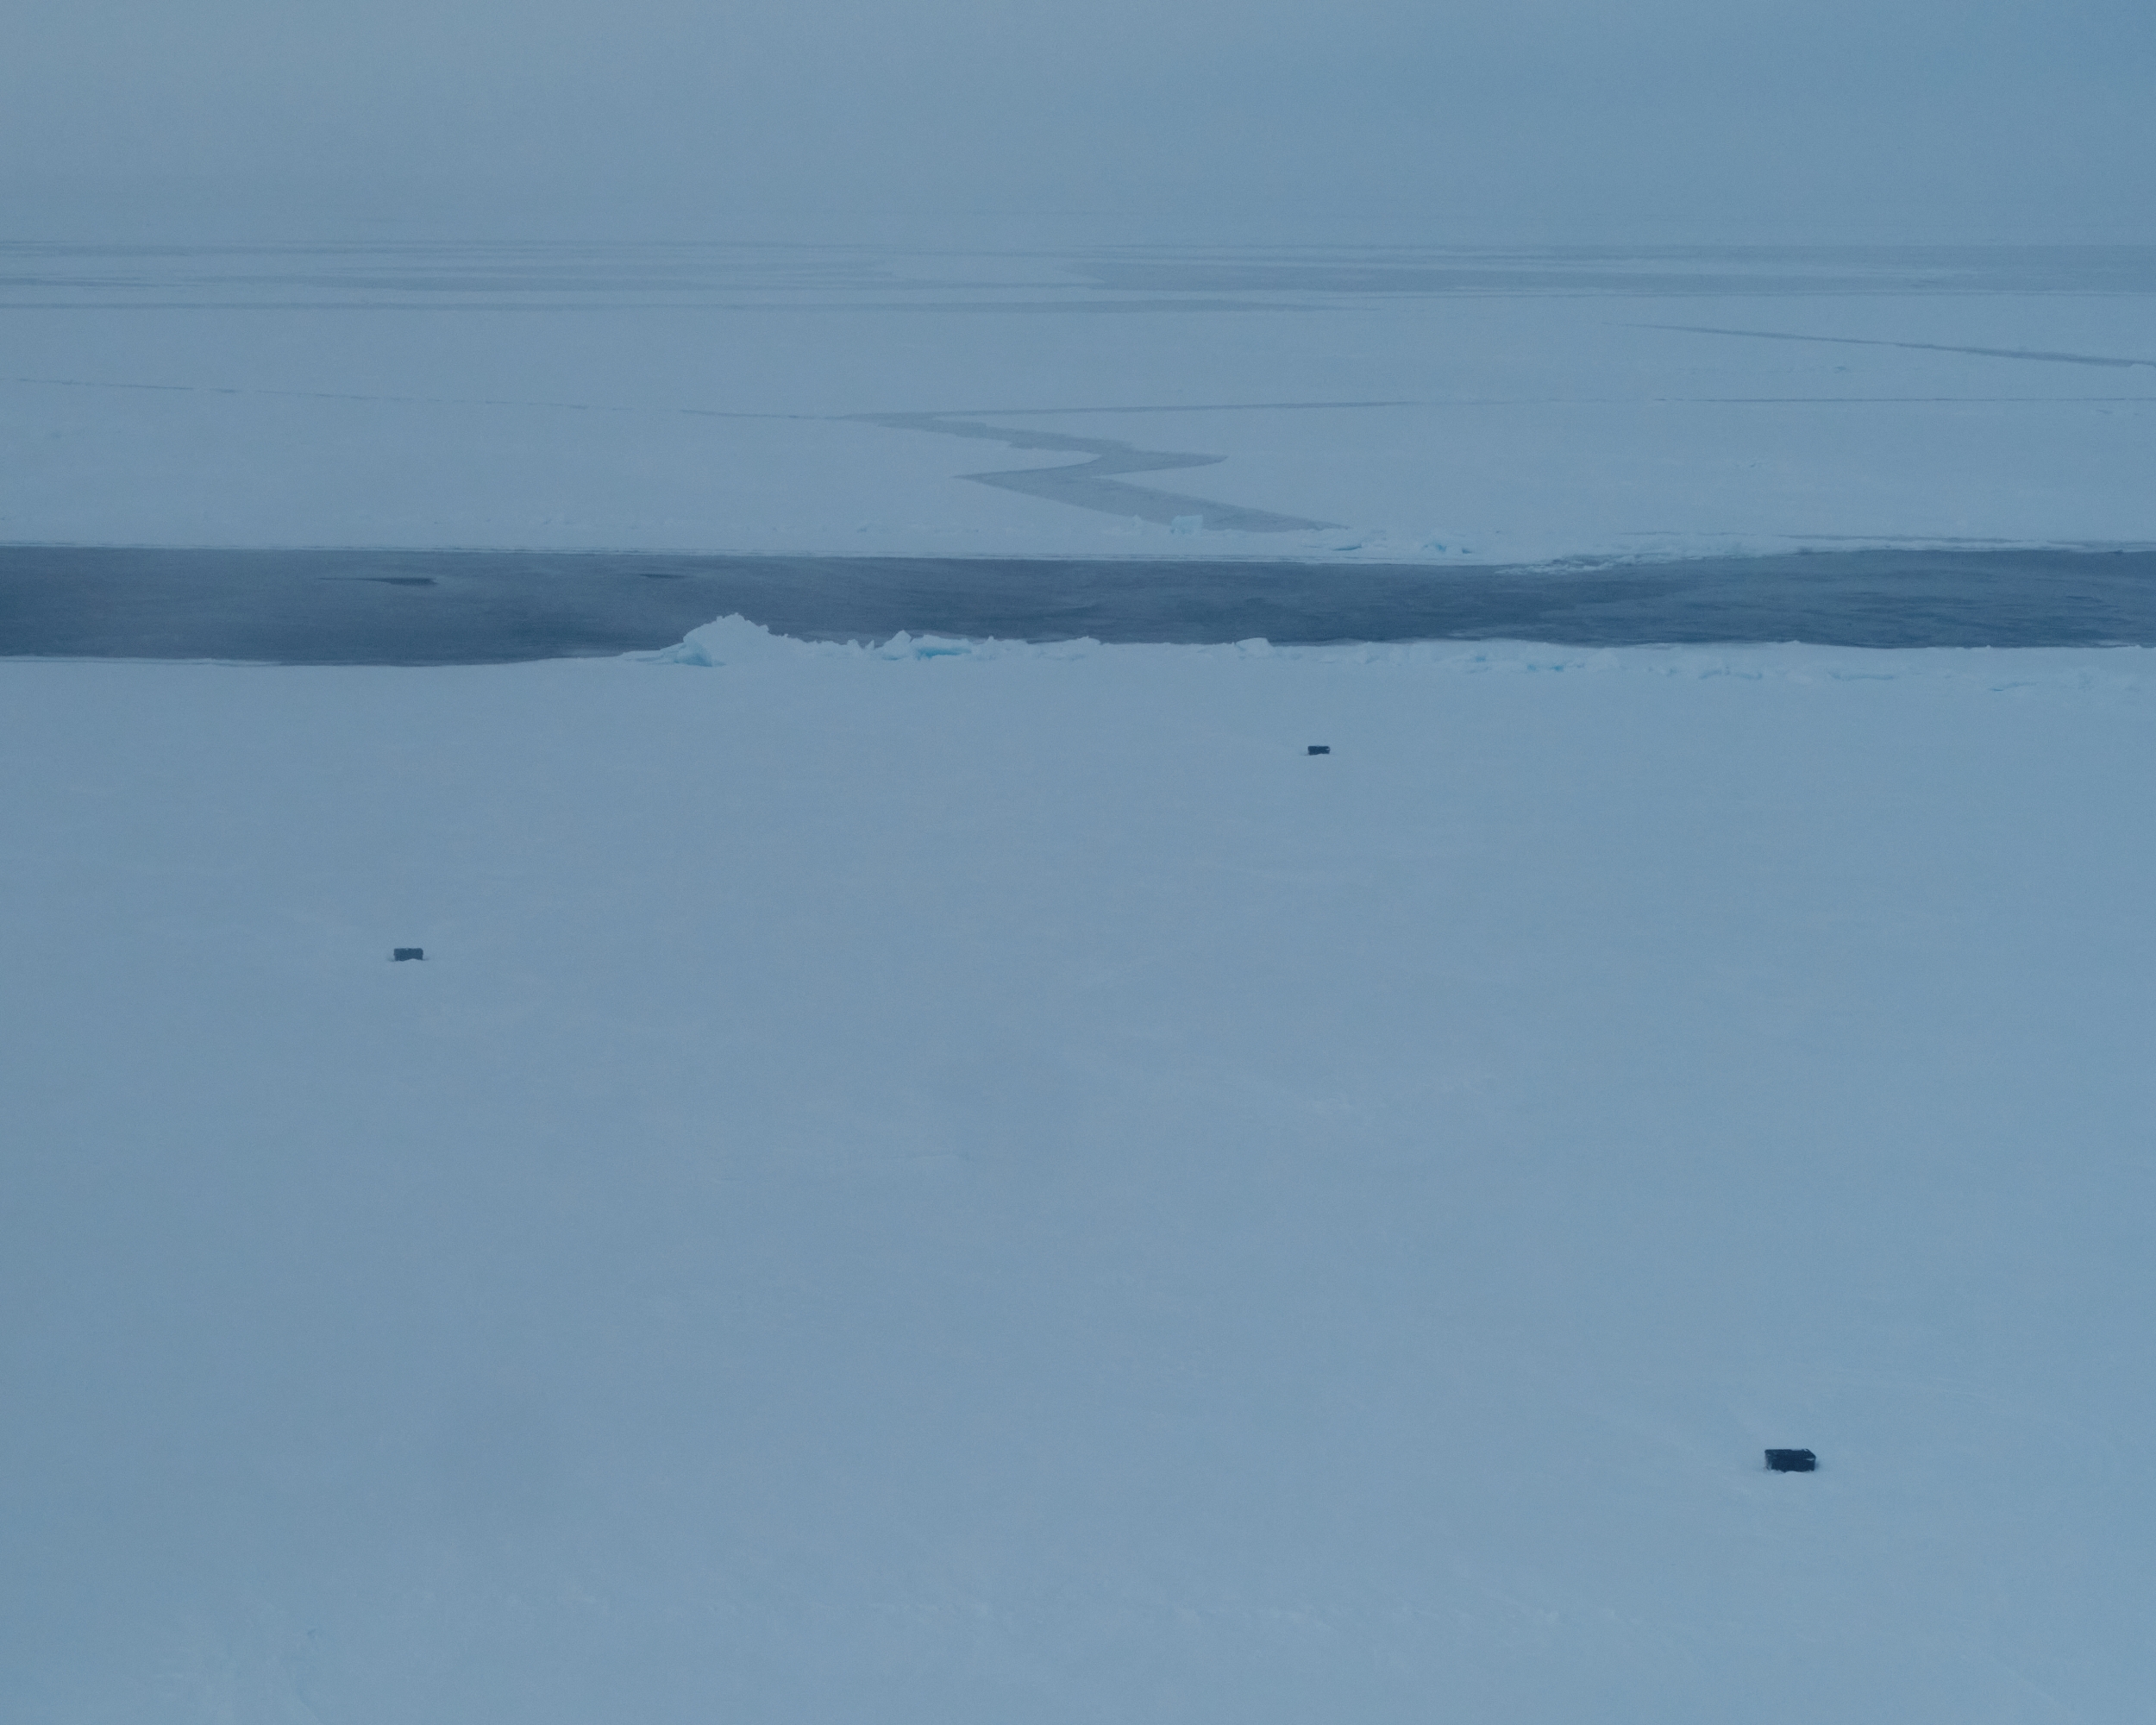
1922, 347
1060, 412
1173, 407
1094, 483
1085, 485
404, 400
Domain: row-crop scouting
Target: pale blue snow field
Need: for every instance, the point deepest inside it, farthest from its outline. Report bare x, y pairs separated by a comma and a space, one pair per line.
971, 1184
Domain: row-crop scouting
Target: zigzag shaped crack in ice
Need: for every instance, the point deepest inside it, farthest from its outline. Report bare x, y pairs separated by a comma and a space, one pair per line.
1094, 485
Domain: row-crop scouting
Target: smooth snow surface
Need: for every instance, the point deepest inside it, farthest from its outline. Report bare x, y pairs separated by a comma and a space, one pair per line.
1399, 403
963, 1184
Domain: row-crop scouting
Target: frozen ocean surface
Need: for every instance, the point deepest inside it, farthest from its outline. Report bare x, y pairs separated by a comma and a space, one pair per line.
967, 1182
1382, 404
958, 1180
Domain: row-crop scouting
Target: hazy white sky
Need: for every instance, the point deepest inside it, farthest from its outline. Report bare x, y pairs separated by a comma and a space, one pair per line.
1444, 119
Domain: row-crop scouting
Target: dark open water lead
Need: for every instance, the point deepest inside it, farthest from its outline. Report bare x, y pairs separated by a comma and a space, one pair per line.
392, 607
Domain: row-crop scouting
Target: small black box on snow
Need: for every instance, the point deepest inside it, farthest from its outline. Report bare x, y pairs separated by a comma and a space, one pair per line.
1321, 748
404, 952
1792, 1461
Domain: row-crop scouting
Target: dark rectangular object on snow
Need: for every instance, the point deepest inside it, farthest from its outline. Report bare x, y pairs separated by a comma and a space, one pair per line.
1792, 1461
1321, 748
404, 952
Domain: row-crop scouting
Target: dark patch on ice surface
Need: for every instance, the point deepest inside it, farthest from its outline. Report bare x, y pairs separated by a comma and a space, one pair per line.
482, 607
